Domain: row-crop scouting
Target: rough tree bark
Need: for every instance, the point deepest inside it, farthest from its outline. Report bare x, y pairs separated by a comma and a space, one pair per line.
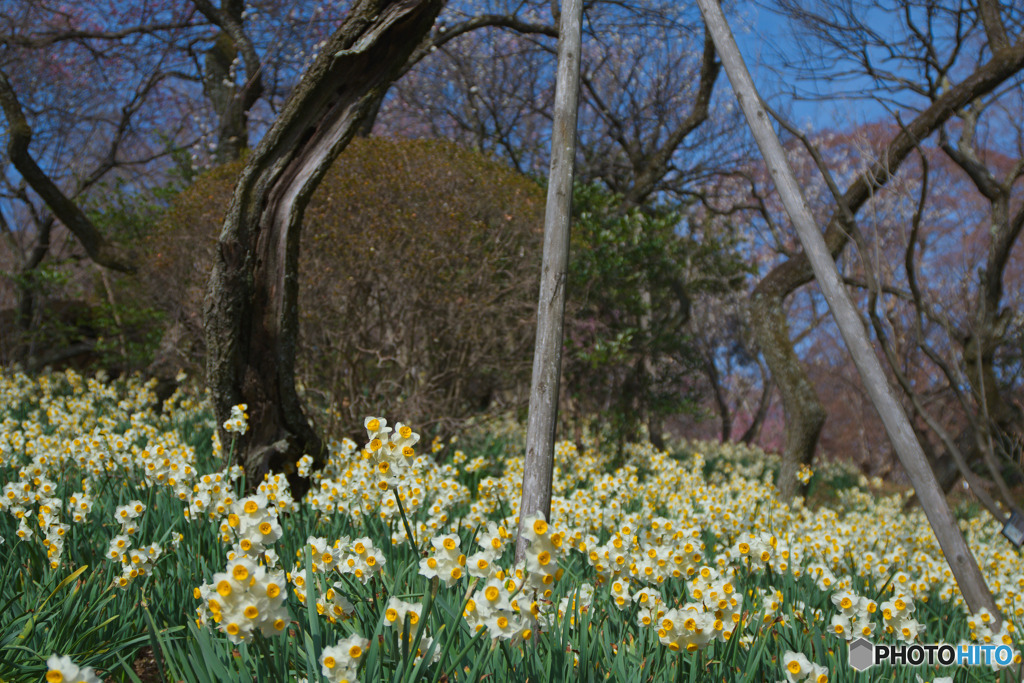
547, 355
954, 548
251, 314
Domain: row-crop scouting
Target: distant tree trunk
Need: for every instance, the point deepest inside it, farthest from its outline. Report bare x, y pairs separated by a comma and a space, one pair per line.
219, 86
754, 430
724, 415
28, 292
251, 312
230, 101
805, 415
654, 419
547, 356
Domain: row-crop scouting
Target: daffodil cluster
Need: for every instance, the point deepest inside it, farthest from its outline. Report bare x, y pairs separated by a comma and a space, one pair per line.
53, 529
651, 605
982, 631
34, 489
492, 541
390, 451
362, 560
545, 547
494, 606
898, 616
333, 604
340, 662
81, 503
446, 562
251, 525
762, 550
800, 669
358, 558
135, 562
396, 614
238, 422
244, 599
278, 492
854, 617
212, 495
60, 669
167, 465
398, 611
713, 613
510, 604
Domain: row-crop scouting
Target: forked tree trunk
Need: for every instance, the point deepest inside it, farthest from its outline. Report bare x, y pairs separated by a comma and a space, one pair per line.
251, 307
954, 548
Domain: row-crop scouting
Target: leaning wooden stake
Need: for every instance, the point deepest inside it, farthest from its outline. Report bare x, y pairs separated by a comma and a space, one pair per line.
547, 354
897, 426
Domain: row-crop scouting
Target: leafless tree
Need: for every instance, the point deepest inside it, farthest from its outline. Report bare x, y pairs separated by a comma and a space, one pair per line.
928, 79
965, 568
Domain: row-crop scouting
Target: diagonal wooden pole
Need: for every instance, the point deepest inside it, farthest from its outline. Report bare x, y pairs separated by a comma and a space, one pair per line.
547, 354
897, 426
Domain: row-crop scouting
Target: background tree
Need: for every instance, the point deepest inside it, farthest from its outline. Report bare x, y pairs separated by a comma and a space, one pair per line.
927, 311
633, 280
648, 129
66, 136
853, 46
962, 563
647, 84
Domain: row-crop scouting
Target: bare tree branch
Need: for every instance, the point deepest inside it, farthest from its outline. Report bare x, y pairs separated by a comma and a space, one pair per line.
41, 40
19, 136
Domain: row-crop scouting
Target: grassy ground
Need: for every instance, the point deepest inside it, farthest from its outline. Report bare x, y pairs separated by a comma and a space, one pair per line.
132, 549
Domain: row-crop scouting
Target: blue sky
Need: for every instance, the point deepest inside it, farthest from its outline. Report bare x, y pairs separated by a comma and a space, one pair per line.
766, 40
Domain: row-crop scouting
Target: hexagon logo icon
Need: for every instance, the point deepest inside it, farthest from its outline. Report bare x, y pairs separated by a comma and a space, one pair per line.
862, 654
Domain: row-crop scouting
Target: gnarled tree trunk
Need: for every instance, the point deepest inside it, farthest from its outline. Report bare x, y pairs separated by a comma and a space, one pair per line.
251, 312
